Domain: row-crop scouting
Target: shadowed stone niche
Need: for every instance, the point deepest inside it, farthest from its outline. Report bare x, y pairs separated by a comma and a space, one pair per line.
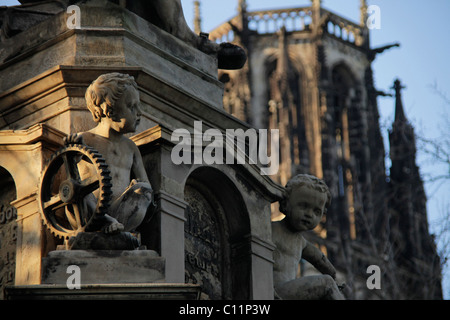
8, 230
215, 236
204, 253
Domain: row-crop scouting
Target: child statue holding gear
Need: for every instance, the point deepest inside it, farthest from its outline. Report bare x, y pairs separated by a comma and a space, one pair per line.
113, 100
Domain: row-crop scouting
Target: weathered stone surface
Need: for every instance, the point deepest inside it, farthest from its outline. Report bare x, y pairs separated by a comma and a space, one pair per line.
47, 80
204, 248
104, 266
8, 230
147, 291
102, 241
113, 37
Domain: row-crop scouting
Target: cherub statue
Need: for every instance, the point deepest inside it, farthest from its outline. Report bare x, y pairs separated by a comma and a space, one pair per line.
306, 200
113, 100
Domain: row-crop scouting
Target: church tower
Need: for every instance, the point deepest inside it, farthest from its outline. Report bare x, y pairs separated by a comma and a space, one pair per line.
309, 74
410, 238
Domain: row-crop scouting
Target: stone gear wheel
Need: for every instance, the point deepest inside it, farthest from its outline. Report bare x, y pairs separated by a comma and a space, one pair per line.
66, 202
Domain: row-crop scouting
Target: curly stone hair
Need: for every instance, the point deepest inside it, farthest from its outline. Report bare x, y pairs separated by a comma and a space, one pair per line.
306, 180
103, 93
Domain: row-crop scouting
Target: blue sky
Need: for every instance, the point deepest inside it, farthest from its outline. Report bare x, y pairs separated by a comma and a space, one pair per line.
422, 61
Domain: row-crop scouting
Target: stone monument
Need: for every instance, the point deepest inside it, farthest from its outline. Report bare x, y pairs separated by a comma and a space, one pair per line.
167, 15
204, 227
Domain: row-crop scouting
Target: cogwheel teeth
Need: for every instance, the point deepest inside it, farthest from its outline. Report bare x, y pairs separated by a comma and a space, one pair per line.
70, 224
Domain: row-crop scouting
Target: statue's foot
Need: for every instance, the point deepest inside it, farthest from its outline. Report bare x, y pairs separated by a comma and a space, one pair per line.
105, 224
231, 57
113, 227
102, 241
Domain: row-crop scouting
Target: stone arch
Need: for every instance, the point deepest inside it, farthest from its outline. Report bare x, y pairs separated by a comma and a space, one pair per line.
287, 100
298, 71
343, 78
216, 229
348, 132
297, 75
8, 187
8, 229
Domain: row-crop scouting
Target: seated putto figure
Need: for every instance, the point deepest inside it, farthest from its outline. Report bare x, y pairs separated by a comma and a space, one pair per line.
113, 100
306, 199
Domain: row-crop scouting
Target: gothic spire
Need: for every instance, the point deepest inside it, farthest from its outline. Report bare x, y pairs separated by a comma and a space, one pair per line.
243, 24
316, 11
242, 6
283, 58
401, 138
197, 18
399, 111
363, 13
316, 3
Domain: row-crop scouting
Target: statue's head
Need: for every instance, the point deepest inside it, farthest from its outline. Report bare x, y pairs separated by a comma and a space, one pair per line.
114, 96
305, 201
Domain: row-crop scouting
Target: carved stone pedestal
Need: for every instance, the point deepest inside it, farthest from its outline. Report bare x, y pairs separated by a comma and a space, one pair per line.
104, 266
104, 275
140, 291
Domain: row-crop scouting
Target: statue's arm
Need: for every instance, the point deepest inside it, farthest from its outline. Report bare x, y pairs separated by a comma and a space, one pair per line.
138, 166
313, 255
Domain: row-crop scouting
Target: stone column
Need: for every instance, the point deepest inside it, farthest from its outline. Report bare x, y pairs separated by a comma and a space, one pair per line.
23, 154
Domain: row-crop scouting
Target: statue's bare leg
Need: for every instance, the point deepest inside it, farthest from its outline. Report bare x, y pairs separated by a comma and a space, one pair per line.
173, 21
168, 15
131, 207
104, 223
